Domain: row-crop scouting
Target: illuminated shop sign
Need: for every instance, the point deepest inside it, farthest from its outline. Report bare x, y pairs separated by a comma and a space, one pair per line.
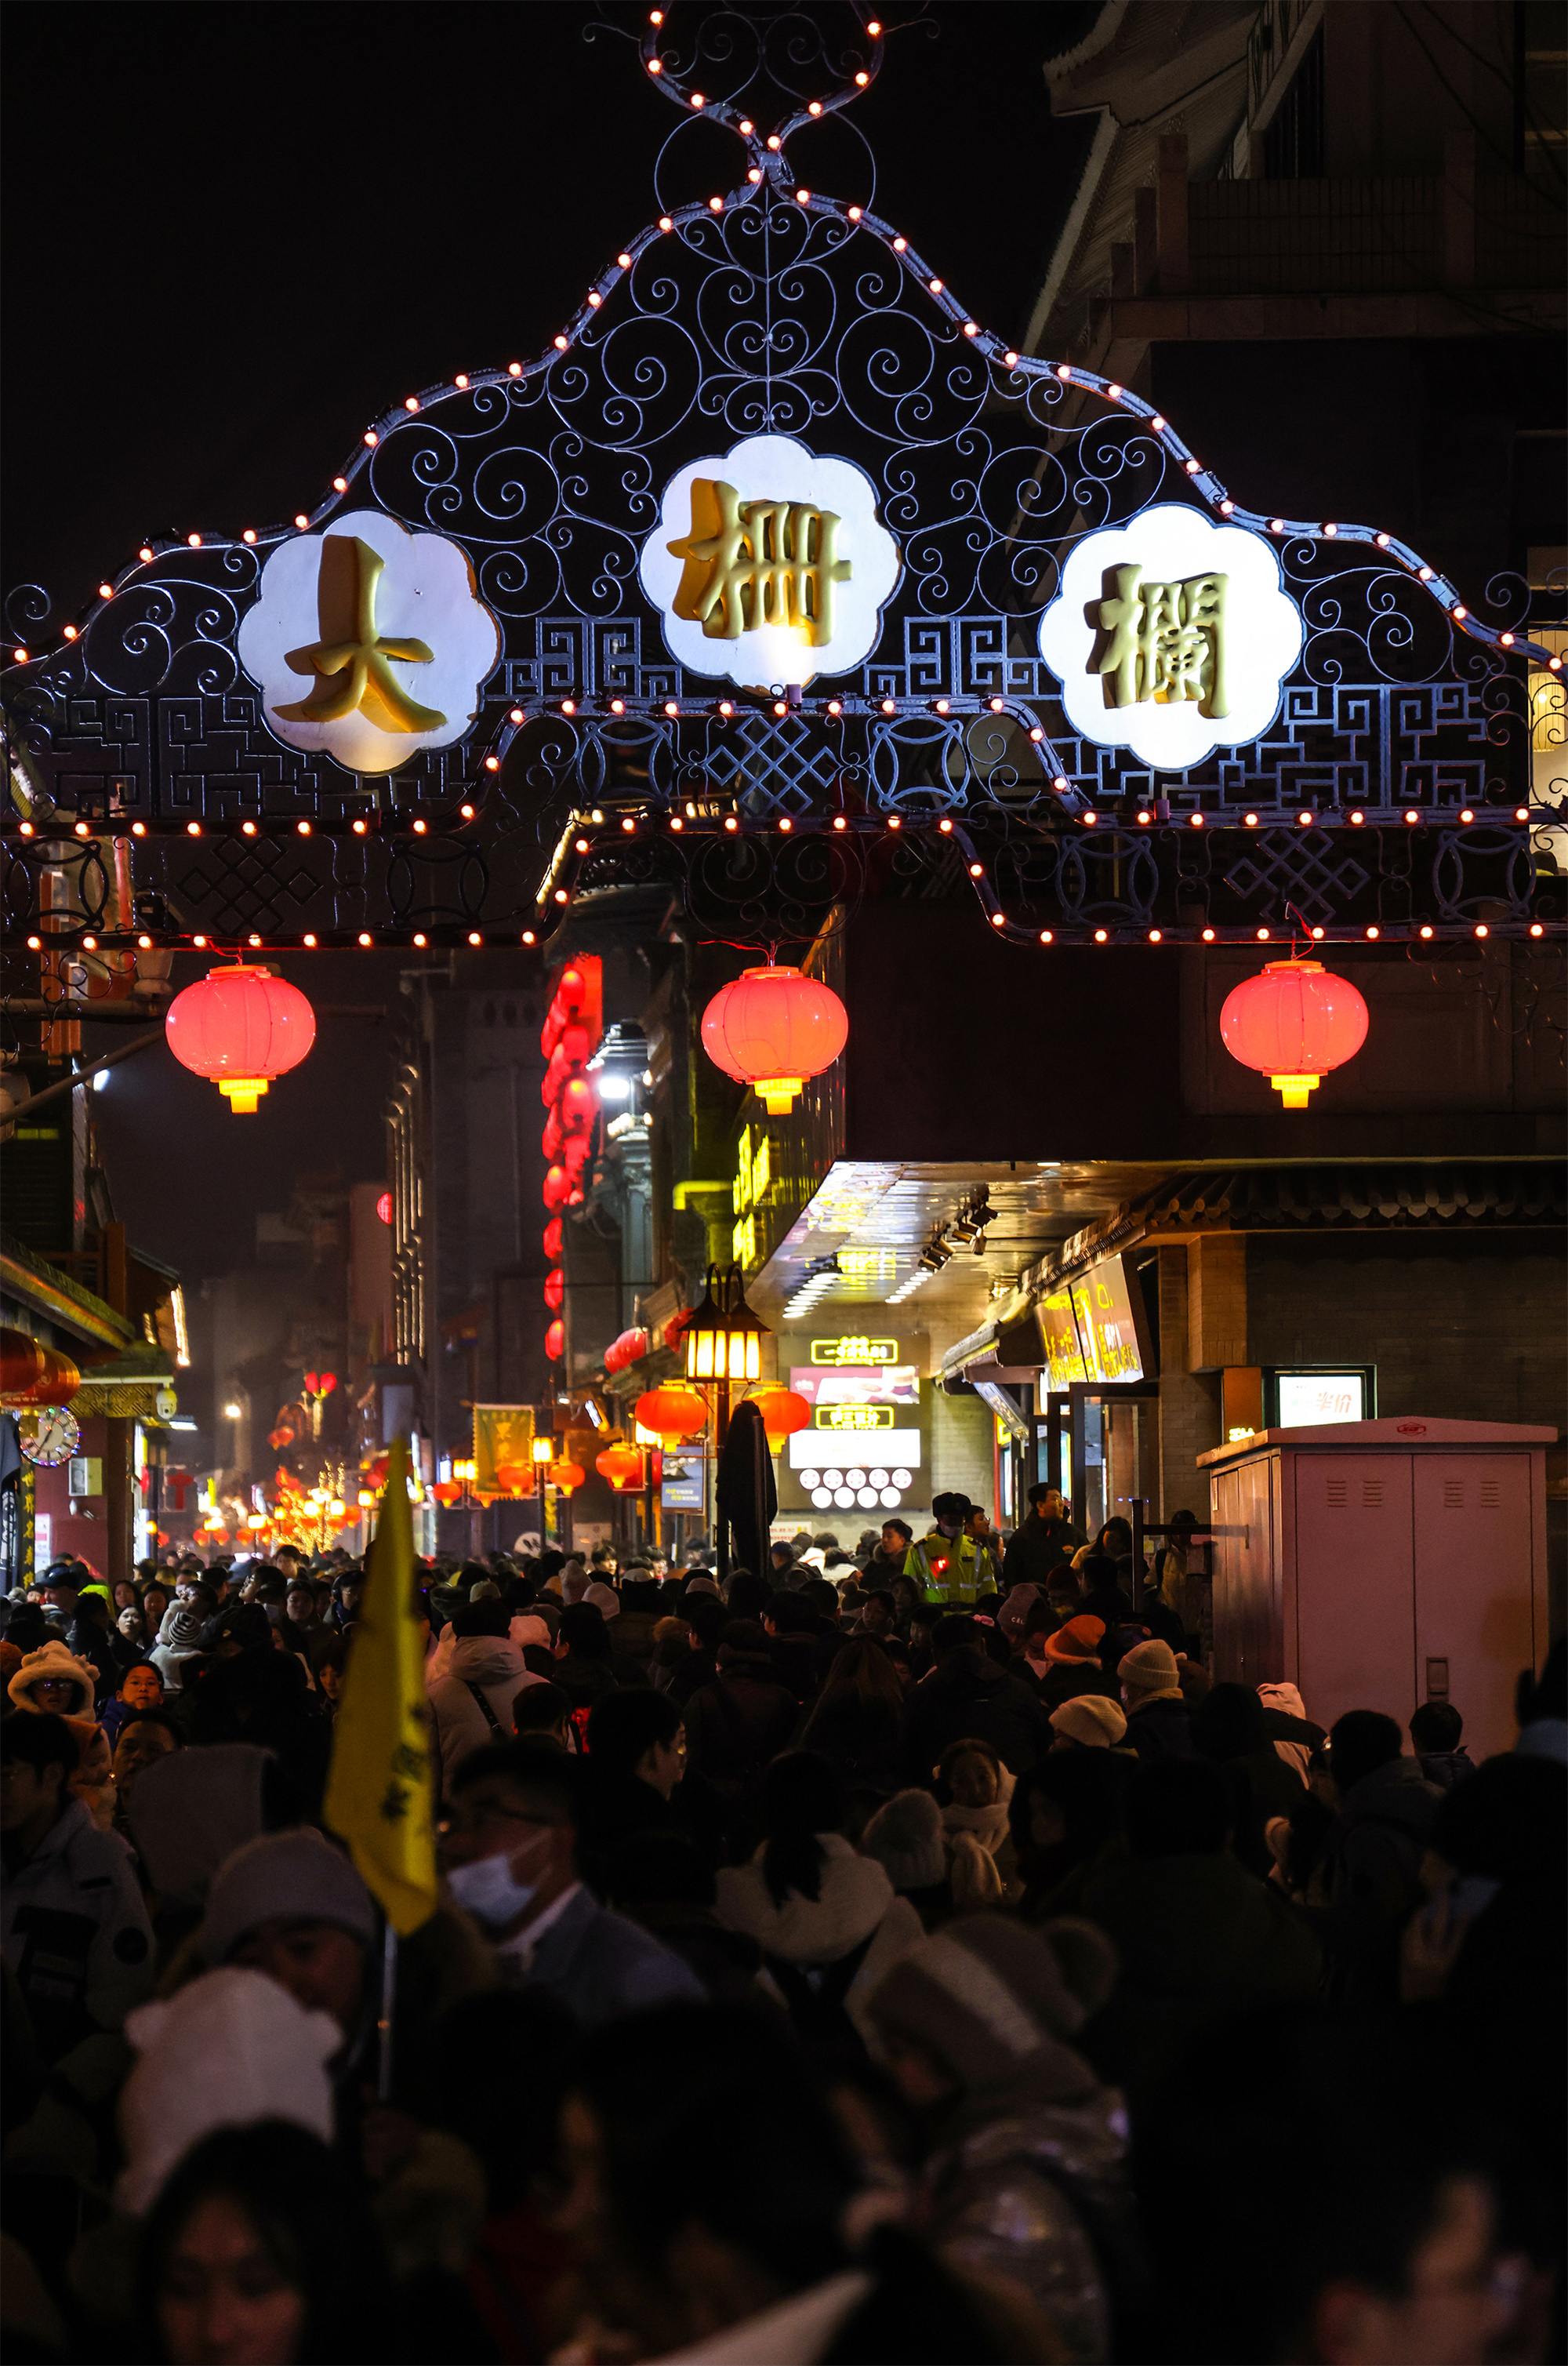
1091, 1329
854, 1351
369, 643
769, 564
1172, 636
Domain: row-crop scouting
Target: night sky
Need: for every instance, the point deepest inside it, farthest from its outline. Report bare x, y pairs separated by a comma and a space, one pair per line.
236, 233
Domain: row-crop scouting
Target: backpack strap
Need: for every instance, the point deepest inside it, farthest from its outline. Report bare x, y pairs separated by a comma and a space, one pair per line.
491, 1719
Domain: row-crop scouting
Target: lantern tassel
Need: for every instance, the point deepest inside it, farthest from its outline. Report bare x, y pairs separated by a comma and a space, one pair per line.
1293, 1090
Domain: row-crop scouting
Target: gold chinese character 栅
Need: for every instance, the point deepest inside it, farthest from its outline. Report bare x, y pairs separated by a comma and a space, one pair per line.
350, 660
1163, 642
750, 563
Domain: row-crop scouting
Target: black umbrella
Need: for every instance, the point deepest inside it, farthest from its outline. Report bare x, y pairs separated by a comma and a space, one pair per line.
743, 1486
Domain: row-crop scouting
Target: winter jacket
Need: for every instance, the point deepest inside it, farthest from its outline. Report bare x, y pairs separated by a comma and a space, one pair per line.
793, 1659
1159, 1727
1063, 1680
969, 1694
737, 1723
1032, 2191
584, 1681
860, 1738
1370, 1879
855, 1909
75, 1932
599, 1965
264, 1696
726, 1962
1036, 1548
1446, 1767
1199, 1938
1263, 1787
495, 1666
696, 1667
632, 1633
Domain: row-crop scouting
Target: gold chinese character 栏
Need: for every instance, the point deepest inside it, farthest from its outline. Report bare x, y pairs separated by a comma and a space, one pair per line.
350, 660
1163, 642
750, 563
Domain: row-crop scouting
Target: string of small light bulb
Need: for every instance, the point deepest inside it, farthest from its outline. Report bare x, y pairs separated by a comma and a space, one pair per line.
768, 172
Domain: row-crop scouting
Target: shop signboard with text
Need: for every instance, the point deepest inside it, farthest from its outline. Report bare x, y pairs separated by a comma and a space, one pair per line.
865, 1446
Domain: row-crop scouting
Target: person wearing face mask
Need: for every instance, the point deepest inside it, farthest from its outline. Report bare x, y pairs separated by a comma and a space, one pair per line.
947, 1564
509, 1853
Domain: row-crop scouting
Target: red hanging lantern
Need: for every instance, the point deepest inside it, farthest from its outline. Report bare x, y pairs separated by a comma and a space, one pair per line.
782, 1412
672, 1412
1292, 1023
772, 1029
557, 1185
555, 1341
628, 1348
577, 1107
32, 1374
554, 1287
567, 1476
241, 1026
551, 1139
553, 1239
517, 1477
623, 1466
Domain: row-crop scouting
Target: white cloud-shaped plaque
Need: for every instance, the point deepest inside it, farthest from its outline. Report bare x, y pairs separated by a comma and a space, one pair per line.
779, 564
1172, 636
369, 642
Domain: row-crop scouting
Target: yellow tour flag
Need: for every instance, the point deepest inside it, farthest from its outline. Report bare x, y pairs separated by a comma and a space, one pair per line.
379, 1787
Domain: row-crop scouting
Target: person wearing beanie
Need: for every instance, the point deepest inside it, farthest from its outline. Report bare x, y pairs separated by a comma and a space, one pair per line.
1064, 1663
905, 1838
232, 2048
291, 1905
978, 2025
973, 1790
605, 1599
1088, 1722
57, 1682
1158, 1724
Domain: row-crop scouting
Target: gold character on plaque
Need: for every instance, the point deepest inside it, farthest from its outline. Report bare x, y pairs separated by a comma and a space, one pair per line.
750, 563
350, 660
1163, 642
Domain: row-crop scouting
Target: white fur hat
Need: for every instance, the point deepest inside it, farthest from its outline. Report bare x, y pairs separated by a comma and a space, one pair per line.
54, 1659
229, 2049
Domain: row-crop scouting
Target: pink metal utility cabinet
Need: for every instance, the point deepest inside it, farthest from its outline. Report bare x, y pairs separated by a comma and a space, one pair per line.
1378, 1565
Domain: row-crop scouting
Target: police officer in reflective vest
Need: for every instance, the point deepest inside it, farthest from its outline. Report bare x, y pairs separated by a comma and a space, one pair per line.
950, 1564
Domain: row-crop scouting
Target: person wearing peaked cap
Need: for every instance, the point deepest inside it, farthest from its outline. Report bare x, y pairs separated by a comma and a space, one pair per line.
1088, 1722
978, 2025
1159, 1725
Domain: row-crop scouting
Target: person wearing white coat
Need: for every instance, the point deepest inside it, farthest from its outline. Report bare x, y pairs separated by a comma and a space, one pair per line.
471, 1704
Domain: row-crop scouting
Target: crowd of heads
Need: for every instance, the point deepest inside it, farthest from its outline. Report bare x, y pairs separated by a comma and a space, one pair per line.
905, 1951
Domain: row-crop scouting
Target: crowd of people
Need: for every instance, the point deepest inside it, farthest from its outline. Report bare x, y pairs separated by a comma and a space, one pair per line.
906, 1951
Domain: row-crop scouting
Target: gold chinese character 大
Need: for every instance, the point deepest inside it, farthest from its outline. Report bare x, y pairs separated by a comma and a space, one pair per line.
350, 660
1163, 642
750, 563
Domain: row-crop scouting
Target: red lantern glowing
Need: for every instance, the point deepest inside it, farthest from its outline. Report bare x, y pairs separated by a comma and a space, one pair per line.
577, 1107
551, 1139
782, 1412
32, 1374
557, 1184
623, 1466
384, 1207
555, 1341
772, 1029
241, 1026
671, 1413
1292, 1023
554, 1287
553, 1239
567, 1476
629, 1348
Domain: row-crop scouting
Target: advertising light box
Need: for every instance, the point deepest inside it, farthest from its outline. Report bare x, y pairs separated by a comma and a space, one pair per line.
864, 1448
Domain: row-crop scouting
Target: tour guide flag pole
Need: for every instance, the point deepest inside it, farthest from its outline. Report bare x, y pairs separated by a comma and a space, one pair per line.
379, 1787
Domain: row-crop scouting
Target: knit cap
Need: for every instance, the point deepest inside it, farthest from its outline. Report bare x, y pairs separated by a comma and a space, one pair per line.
701, 1584
181, 1631
1149, 1668
294, 1876
604, 1599
1074, 1644
528, 1628
229, 2049
905, 1838
51, 1660
1091, 1719
987, 1995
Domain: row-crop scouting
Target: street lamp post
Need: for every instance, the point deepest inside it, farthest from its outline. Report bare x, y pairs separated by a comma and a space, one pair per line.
544, 1455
